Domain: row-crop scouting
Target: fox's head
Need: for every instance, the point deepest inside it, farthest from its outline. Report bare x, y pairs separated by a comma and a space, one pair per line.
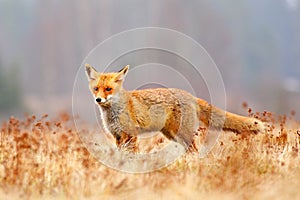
105, 86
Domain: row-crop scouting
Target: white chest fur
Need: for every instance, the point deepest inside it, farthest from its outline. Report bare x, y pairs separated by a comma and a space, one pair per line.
103, 115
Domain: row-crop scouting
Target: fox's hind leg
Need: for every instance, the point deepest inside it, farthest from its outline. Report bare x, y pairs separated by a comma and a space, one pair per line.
179, 128
186, 140
171, 127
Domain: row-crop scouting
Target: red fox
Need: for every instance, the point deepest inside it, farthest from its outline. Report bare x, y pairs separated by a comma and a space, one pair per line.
173, 112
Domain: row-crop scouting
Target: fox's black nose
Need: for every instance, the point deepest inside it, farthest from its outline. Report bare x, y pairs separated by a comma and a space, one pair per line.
98, 100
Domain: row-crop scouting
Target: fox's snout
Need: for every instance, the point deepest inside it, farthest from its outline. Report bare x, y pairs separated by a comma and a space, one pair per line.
98, 100
101, 100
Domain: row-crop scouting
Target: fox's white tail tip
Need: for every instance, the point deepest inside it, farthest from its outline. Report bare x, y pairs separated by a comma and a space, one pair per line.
259, 126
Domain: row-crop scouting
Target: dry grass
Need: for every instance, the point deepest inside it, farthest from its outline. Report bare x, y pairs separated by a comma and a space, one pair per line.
42, 158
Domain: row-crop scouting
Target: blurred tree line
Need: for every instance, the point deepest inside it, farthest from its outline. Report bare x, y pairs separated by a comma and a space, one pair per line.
10, 89
255, 44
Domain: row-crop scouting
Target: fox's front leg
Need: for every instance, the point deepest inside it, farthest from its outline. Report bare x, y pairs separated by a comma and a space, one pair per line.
126, 142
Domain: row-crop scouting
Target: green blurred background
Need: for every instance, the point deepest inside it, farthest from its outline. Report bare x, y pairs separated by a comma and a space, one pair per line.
255, 44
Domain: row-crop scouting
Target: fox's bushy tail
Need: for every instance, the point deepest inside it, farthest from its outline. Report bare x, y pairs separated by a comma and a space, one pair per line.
216, 118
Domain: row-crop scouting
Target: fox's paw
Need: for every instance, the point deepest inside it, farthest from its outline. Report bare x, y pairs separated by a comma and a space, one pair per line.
127, 142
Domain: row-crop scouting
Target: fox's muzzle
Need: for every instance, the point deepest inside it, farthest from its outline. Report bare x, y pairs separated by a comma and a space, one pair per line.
101, 100
98, 100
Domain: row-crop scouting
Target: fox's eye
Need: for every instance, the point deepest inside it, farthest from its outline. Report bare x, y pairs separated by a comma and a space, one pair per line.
96, 89
108, 89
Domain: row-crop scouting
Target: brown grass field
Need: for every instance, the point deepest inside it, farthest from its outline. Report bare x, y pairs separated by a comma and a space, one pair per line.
43, 158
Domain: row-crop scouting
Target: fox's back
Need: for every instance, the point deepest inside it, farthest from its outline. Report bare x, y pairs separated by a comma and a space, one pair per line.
162, 96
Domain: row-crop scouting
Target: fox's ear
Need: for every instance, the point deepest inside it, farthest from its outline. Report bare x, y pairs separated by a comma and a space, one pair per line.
91, 72
122, 73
